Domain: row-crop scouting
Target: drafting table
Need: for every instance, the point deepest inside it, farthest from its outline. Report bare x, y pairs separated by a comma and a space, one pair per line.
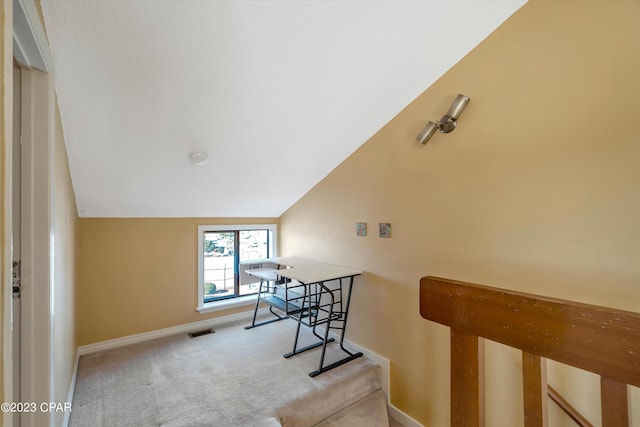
313, 294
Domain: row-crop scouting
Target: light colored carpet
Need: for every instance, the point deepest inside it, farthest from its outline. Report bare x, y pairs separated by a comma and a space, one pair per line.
234, 377
358, 414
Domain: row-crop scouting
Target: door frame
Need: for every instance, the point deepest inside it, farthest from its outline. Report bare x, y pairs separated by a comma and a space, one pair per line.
6, 10
31, 51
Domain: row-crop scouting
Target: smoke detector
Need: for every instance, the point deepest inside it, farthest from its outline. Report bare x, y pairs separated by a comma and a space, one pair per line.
199, 158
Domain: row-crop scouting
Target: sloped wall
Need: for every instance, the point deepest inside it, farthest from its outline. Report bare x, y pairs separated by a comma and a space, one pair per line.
537, 190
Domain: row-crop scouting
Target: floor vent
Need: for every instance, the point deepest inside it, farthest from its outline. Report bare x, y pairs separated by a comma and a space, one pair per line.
201, 333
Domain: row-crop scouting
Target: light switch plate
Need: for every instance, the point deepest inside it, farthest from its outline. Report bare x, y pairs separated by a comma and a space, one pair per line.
361, 229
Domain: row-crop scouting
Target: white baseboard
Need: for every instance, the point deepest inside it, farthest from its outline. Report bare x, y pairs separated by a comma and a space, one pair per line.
402, 418
374, 357
385, 365
159, 333
72, 389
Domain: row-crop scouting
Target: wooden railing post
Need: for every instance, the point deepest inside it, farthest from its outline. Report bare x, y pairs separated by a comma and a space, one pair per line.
614, 398
534, 381
467, 380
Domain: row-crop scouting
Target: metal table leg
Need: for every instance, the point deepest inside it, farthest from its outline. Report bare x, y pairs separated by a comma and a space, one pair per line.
255, 311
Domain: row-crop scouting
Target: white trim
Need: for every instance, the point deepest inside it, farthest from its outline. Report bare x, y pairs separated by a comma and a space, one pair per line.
38, 114
374, 357
385, 374
226, 304
72, 389
31, 50
159, 333
51, 181
7, 205
30, 46
402, 417
203, 307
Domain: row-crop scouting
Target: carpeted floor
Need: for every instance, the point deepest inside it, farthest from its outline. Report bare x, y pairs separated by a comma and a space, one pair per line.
233, 377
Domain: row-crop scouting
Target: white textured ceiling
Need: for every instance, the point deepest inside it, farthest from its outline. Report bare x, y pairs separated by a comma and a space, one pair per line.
277, 92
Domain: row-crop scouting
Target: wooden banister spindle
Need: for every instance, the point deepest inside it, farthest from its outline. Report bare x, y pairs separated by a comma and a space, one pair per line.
467, 380
614, 398
534, 381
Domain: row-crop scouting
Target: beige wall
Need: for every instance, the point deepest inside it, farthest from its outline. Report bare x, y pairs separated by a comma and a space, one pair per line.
537, 190
65, 225
139, 275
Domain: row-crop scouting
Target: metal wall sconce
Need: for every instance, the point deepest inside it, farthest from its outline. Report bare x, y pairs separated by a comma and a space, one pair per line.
447, 123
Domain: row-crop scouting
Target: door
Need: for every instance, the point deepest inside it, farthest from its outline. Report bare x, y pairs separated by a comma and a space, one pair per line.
15, 236
32, 234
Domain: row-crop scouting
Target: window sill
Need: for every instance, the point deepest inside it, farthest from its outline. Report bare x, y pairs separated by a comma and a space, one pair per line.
226, 304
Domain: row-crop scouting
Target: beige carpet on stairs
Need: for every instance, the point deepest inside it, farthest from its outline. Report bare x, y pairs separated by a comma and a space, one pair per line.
233, 377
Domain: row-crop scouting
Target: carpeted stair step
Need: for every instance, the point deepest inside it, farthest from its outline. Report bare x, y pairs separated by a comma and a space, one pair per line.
370, 411
336, 390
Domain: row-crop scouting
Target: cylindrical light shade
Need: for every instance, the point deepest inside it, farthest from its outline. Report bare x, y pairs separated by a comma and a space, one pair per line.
427, 132
457, 106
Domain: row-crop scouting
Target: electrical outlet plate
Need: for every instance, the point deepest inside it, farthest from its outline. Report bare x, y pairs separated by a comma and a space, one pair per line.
385, 230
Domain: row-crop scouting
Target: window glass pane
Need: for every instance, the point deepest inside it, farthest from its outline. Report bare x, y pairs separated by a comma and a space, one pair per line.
254, 245
219, 268
225, 255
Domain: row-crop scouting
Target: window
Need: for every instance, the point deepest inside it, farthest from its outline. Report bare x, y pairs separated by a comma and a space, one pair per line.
224, 254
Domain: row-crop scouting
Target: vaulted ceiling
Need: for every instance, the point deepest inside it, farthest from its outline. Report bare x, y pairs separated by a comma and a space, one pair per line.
278, 93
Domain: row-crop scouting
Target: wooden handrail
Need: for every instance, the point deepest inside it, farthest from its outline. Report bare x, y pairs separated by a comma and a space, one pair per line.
598, 339
601, 340
568, 408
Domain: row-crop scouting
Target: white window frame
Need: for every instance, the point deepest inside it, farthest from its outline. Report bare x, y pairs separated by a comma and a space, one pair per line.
236, 301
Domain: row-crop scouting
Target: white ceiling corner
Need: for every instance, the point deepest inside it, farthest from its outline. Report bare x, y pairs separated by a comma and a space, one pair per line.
277, 92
